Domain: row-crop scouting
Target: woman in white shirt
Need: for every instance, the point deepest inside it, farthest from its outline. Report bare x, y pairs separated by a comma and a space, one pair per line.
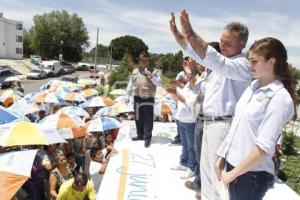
265, 106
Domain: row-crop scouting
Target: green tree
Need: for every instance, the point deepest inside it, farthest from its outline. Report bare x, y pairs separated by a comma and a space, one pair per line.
127, 44
102, 51
118, 78
59, 31
27, 49
170, 64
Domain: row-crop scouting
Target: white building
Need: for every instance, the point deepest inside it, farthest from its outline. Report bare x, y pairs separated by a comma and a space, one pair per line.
11, 38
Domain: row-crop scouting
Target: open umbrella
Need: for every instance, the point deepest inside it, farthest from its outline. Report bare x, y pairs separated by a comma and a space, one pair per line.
6, 116
27, 133
114, 110
74, 111
9, 96
74, 97
98, 102
86, 82
15, 170
118, 92
22, 108
68, 126
89, 92
103, 124
48, 98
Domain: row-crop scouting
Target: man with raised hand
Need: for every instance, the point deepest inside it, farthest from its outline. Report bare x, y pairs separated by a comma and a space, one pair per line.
229, 78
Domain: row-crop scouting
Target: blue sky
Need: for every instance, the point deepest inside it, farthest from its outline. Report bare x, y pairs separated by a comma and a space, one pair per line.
148, 19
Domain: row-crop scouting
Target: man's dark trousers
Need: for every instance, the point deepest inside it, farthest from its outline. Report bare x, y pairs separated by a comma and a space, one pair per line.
144, 111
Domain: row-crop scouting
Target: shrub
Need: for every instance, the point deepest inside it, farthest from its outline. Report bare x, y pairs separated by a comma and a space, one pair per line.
288, 143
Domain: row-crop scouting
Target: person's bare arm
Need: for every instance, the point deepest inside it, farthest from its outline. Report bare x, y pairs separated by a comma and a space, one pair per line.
52, 183
179, 37
198, 44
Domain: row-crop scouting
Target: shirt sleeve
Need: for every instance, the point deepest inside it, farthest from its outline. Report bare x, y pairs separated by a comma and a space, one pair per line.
222, 150
91, 191
63, 193
235, 68
189, 95
95, 167
155, 79
278, 113
128, 91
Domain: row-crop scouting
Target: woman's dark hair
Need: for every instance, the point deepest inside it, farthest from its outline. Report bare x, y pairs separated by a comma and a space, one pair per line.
273, 48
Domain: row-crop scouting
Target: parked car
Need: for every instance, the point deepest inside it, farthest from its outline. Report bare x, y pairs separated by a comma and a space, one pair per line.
83, 66
67, 68
37, 74
6, 85
73, 79
53, 68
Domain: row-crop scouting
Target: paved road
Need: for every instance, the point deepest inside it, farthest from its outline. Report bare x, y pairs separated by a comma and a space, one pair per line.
34, 85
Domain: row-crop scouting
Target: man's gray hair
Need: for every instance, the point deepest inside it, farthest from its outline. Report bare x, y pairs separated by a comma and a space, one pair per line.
241, 29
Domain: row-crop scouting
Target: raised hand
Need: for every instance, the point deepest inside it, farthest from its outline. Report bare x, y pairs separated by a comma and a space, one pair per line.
181, 40
186, 26
172, 22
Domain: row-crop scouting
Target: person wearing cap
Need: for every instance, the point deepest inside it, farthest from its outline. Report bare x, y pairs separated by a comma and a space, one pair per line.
79, 188
142, 84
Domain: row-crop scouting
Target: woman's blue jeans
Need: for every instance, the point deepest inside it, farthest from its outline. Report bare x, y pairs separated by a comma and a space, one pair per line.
252, 185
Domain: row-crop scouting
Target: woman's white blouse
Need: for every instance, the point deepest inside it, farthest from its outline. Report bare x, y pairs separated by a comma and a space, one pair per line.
260, 116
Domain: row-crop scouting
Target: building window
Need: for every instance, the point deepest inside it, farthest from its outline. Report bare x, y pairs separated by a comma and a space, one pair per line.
19, 38
19, 50
19, 26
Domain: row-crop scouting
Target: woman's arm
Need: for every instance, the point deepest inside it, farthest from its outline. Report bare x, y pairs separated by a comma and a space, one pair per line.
255, 157
52, 183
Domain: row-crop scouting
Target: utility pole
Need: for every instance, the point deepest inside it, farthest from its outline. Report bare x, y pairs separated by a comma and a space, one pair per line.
96, 54
60, 56
110, 56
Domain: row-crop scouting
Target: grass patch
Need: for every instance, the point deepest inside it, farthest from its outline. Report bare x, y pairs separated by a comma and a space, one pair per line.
290, 169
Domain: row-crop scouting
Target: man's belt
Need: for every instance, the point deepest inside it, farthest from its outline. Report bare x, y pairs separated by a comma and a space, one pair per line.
217, 118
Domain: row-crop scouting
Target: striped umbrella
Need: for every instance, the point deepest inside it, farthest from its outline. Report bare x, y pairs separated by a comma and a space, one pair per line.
114, 110
27, 133
74, 111
74, 97
15, 170
48, 98
89, 92
103, 124
22, 108
98, 102
69, 126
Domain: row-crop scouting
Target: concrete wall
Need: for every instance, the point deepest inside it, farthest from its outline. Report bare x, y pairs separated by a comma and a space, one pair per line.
8, 39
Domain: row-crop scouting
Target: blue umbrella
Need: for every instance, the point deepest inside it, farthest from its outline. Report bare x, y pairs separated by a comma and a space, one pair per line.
6, 116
